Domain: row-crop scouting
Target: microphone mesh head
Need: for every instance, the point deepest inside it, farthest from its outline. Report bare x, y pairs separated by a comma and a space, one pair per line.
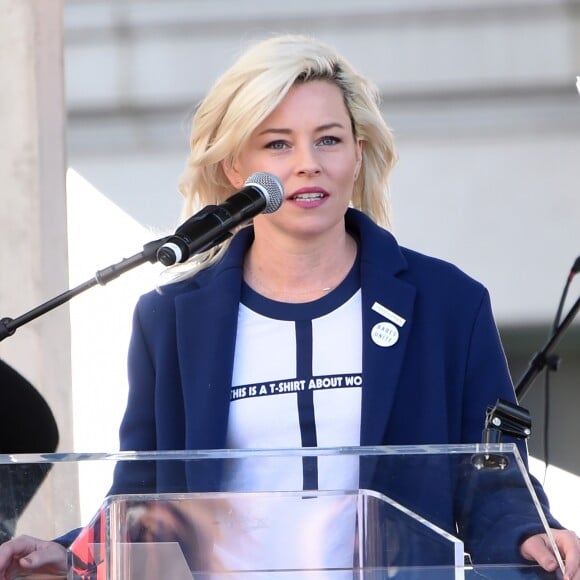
270, 186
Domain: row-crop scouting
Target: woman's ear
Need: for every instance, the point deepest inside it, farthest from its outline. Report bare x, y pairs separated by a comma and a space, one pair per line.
233, 174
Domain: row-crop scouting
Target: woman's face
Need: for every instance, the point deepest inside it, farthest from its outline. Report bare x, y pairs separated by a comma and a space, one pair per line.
308, 143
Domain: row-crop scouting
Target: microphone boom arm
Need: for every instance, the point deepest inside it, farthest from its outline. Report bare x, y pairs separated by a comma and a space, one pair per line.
8, 326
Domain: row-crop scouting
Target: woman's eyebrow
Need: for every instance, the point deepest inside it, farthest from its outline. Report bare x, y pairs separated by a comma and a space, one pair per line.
286, 131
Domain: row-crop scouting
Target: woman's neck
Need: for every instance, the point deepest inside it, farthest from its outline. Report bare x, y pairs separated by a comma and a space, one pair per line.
298, 272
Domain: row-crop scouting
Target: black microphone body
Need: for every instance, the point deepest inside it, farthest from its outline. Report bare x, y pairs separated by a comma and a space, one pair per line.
262, 193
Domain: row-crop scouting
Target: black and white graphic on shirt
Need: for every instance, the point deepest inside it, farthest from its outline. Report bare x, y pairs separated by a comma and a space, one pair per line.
296, 385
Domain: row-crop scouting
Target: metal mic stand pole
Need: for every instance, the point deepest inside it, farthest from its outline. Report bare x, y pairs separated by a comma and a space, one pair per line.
149, 254
543, 358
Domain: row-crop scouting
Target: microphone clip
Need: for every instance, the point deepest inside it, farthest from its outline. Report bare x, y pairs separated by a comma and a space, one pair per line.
504, 418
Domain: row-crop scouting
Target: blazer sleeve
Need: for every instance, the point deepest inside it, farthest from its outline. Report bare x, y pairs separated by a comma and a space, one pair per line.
492, 522
138, 427
138, 430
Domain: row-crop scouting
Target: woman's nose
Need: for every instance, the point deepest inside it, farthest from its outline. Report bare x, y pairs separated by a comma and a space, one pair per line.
307, 161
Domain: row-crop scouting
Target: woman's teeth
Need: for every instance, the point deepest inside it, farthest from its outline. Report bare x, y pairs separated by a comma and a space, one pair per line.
308, 196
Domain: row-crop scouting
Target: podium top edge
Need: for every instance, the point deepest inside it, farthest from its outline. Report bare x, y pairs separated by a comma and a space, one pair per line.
210, 454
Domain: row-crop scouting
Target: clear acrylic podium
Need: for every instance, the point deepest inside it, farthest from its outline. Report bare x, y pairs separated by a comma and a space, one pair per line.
244, 514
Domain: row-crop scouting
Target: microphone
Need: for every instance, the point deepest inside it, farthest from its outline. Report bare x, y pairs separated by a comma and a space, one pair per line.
262, 193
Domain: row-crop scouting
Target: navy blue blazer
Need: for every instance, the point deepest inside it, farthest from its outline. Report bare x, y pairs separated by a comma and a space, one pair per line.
432, 387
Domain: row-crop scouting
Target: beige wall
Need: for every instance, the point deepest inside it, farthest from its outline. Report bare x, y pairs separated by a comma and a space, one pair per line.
33, 248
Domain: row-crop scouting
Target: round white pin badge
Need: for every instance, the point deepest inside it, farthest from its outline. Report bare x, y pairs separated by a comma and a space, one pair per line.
385, 334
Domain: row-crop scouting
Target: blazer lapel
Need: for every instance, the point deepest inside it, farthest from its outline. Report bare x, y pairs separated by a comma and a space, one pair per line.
387, 310
385, 340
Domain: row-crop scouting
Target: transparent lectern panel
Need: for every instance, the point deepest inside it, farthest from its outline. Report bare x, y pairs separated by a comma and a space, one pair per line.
259, 534
367, 512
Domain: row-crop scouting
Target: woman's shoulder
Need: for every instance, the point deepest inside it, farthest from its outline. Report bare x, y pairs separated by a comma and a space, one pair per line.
164, 296
422, 265
441, 282
382, 249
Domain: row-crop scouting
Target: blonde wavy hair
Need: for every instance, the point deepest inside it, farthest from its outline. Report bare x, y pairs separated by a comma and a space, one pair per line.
248, 92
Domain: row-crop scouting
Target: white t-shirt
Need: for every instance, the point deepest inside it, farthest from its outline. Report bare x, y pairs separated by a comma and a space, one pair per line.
297, 382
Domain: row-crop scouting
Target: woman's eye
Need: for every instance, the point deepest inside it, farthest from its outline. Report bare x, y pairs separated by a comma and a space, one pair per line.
329, 140
277, 145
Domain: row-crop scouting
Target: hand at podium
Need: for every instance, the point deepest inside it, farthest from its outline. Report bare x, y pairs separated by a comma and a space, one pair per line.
537, 548
25, 555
